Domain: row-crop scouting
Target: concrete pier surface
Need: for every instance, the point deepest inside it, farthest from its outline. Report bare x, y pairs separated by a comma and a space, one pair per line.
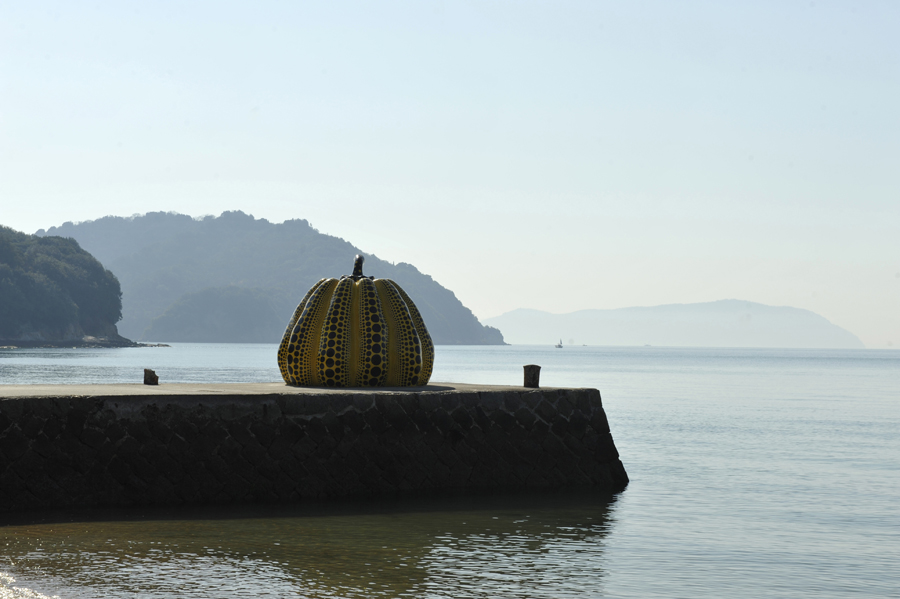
237, 389
171, 444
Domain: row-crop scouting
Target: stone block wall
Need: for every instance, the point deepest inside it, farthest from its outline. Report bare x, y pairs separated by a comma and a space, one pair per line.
62, 451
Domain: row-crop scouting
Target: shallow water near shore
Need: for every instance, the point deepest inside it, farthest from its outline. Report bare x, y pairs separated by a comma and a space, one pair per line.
441, 547
753, 472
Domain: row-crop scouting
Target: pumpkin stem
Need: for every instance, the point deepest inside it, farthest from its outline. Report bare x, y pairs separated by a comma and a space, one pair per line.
357, 269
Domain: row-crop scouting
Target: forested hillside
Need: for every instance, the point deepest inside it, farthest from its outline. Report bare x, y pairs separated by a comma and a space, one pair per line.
179, 275
220, 315
51, 290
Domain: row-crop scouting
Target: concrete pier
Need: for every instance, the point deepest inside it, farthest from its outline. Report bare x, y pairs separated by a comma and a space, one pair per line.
121, 445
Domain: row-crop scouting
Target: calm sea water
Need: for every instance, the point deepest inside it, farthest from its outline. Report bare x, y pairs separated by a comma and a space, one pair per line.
754, 473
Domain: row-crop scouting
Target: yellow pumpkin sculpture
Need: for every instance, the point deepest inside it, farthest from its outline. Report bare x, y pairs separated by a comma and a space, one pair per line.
356, 332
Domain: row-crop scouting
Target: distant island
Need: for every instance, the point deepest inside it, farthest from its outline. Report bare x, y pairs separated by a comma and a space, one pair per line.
53, 293
724, 323
236, 278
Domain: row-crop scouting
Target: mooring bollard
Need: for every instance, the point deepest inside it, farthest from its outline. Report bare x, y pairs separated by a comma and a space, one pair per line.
150, 377
532, 376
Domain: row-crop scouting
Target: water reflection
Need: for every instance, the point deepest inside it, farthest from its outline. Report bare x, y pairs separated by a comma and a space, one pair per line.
548, 545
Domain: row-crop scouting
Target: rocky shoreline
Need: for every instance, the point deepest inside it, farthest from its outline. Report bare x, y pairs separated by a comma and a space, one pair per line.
88, 341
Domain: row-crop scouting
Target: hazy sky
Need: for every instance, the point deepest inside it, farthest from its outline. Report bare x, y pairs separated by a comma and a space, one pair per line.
551, 155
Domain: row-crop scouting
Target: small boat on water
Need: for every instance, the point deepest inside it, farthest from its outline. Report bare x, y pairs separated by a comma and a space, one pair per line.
558, 345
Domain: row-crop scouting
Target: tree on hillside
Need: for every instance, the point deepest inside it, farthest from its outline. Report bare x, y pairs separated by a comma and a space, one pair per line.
51, 287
